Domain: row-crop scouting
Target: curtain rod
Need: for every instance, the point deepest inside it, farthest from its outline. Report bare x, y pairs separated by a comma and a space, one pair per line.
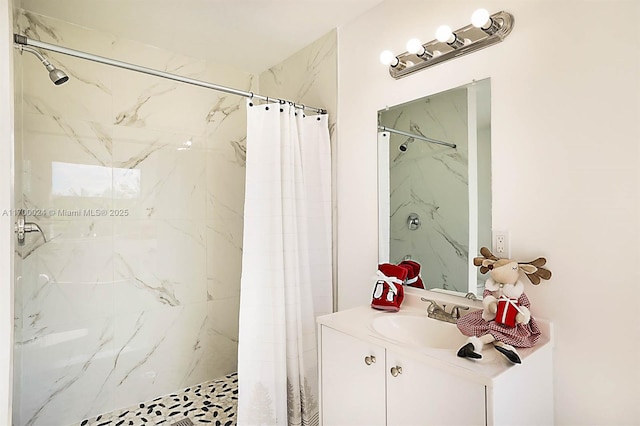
413, 135
23, 40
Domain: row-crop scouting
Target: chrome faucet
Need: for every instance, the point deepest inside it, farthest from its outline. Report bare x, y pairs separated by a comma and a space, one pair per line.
438, 312
455, 311
471, 296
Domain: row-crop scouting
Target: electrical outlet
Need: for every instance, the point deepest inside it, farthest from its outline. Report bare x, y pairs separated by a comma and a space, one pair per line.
501, 246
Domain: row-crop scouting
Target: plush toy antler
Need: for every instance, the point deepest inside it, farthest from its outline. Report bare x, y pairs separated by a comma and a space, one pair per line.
478, 261
540, 273
533, 270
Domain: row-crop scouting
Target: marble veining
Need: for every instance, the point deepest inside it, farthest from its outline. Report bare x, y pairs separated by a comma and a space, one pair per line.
240, 151
70, 372
70, 71
164, 293
131, 116
32, 24
146, 357
133, 161
324, 52
219, 110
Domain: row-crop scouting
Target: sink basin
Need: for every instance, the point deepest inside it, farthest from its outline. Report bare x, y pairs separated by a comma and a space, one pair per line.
419, 331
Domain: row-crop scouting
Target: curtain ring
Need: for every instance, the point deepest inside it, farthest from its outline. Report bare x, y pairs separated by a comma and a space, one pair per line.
251, 97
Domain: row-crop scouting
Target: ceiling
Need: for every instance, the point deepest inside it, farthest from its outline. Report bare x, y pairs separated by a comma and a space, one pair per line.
251, 35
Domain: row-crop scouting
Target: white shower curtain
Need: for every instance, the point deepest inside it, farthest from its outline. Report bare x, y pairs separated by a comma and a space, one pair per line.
286, 265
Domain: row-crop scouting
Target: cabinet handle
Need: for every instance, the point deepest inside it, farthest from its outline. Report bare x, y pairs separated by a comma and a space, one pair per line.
396, 370
369, 359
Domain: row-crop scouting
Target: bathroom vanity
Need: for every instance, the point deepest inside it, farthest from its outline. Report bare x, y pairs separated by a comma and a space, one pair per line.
384, 368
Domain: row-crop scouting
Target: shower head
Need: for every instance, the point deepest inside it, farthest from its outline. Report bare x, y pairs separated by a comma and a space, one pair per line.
405, 145
57, 76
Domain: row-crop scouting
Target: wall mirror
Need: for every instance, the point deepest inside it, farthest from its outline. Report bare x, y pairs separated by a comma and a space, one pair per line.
435, 199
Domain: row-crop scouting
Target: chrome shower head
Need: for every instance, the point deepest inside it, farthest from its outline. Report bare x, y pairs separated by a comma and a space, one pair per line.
405, 145
56, 75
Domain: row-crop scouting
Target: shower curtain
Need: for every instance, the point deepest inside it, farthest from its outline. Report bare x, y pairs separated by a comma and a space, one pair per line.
286, 265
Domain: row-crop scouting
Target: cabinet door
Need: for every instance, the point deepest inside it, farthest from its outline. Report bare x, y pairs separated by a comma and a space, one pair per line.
352, 385
424, 395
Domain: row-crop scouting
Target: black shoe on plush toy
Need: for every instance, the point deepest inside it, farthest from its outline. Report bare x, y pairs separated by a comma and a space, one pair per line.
469, 351
508, 351
505, 319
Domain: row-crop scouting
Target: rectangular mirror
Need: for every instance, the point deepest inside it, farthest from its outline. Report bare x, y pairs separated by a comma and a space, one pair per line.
435, 199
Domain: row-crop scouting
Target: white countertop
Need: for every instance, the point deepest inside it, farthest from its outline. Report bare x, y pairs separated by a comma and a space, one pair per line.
357, 322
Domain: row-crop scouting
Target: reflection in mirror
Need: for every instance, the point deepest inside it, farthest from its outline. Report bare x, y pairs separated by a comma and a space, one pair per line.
435, 200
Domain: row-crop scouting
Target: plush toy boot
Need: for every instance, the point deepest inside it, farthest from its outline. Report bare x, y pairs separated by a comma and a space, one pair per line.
473, 348
508, 351
413, 279
388, 292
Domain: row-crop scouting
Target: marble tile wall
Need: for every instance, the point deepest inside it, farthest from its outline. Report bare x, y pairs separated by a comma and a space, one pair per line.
432, 181
310, 77
142, 300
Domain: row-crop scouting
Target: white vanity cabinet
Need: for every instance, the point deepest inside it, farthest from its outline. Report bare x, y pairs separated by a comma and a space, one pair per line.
352, 376
364, 384
367, 379
419, 395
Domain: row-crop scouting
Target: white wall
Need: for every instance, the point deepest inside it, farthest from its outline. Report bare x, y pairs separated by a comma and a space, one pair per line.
565, 158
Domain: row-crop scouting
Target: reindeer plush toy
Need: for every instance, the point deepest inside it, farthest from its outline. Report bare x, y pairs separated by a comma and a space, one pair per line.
505, 319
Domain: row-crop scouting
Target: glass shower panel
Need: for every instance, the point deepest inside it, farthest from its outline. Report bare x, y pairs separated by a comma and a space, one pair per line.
138, 184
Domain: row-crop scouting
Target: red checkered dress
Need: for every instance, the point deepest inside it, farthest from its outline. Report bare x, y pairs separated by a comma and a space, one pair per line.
520, 336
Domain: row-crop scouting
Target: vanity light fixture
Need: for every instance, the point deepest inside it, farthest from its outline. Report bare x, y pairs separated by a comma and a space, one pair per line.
445, 35
484, 30
388, 58
416, 47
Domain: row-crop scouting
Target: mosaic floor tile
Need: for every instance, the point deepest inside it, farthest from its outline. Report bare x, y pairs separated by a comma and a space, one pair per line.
214, 402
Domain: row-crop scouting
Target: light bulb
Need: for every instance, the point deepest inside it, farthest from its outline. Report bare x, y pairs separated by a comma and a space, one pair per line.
387, 57
415, 46
480, 18
444, 34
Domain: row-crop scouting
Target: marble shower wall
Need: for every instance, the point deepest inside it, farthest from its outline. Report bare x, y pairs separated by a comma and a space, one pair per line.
432, 181
138, 183
310, 77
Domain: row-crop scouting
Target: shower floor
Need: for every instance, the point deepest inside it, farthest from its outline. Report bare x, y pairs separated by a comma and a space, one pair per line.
213, 402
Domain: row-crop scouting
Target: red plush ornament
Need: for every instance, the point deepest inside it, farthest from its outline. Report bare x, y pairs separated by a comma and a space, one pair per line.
388, 292
507, 311
413, 279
